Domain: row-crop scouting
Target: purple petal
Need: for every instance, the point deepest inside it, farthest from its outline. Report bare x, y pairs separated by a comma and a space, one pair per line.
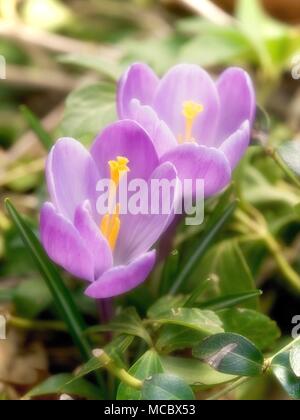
71, 176
141, 231
200, 162
183, 83
64, 245
236, 145
93, 239
238, 102
139, 82
122, 279
158, 131
125, 138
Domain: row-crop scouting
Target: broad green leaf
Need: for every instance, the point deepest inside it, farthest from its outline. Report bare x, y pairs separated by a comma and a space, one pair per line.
228, 301
231, 354
37, 127
146, 366
255, 326
295, 359
64, 384
226, 264
290, 153
88, 111
31, 297
115, 350
203, 321
213, 228
185, 327
166, 387
251, 15
128, 322
194, 372
175, 337
212, 49
61, 295
164, 305
282, 370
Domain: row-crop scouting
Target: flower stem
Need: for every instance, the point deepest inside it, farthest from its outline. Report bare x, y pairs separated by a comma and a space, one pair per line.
120, 373
106, 310
291, 276
284, 349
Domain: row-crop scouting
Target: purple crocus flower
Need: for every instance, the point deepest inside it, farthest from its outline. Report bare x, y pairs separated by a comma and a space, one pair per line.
109, 251
202, 127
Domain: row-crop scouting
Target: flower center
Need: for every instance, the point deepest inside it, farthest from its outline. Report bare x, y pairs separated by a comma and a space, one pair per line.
110, 223
190, 111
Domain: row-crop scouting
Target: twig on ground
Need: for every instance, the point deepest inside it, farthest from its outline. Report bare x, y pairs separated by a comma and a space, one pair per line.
208, 10
53, 42
39, 78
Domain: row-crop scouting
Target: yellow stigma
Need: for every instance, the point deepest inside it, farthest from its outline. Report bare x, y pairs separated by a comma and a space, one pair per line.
110, 227
111, 223
190, 111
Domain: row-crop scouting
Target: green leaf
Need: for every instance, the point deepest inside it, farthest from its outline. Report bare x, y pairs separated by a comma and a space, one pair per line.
115, 349
255, 326
128, 322
214, 227
290, 153
184, 327
166, 387
61, 295
174, 337
61, 384
203, 321
282, 370
295, 359
231, 354
228, 301
212, 49
37, 127
194, 372
88, 111
226, 264
146, 366
31, 297
164, 305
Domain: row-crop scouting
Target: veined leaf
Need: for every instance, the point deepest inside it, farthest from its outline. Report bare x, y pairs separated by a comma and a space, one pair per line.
166, 387
231, 354
64, 384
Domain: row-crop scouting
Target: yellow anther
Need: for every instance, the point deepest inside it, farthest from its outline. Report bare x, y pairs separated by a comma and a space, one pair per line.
118, 168
190, 111
111, 223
